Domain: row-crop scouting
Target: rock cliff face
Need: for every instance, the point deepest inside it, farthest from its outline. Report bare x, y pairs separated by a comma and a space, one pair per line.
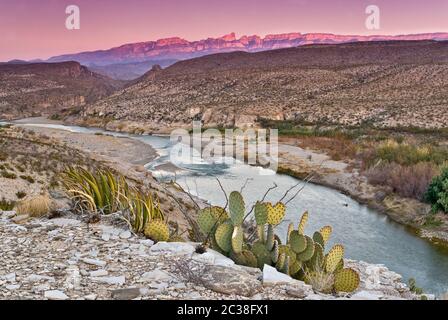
387, 84
29, 89
180, 49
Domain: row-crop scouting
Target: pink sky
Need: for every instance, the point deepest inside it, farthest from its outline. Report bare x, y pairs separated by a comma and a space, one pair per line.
36, 29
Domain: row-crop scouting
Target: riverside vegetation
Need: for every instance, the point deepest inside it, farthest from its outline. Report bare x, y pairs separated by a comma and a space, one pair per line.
408, 163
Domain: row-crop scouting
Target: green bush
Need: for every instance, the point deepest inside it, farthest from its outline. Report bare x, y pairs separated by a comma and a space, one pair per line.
437, 193
8, 175
6, 205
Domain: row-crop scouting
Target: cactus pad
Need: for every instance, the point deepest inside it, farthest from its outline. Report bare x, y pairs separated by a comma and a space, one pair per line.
261, 213
237, 239
333, 258
317, 261
308, 253
236, 207
340, 265
245, 258
317, 237
276, 213
157, 230
262, 254
270, 238
261, 233
297, 242
326, 233
290, 229
207, 220
281, 262
295, 267
302, 223
287, 251
275, 252
285, 267
346, 280
223, 236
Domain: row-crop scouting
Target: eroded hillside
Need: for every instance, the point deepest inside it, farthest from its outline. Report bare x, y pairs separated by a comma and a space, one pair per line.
48, 88
386, 84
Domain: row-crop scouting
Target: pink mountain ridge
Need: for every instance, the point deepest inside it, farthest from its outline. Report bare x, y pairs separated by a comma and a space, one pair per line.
180, 49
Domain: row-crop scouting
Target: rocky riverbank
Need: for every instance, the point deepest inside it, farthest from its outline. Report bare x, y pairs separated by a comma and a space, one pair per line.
61, 258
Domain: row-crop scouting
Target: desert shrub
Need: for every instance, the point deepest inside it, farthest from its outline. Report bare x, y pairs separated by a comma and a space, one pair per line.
6, 205
437, 192
407, 181
27, 178
35, 207
405, 154
413, 286
8, 175
21, 194
55, 116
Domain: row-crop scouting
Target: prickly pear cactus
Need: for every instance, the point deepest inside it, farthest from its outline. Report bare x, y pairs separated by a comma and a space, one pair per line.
223, 236
326, 233
236, 208
308, 253
262, 254
317, 237
237, 239
290, 230
333, 258
270, 238
346, 280
297, 242
245, 258
301, 257
317, 261
157, 230
302, 223
261, 213
276, 213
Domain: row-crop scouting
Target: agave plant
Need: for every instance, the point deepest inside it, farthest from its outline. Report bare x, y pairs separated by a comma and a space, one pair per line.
102, 192
105, 193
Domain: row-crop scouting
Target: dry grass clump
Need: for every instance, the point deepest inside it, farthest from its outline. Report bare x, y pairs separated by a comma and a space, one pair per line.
320, 280
35, 207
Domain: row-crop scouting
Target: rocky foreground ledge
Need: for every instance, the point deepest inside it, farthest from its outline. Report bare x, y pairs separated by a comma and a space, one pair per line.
65, 258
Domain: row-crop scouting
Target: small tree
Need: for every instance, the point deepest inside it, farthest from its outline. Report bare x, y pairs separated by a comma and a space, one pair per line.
437, 193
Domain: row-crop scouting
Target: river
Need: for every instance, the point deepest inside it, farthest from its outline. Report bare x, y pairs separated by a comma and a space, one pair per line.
366, 234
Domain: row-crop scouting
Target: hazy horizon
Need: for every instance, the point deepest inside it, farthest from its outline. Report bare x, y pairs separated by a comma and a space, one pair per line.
33, 30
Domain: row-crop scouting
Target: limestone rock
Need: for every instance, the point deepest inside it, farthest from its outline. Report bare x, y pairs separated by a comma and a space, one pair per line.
55, 295
173, 248
230, 281
126, 294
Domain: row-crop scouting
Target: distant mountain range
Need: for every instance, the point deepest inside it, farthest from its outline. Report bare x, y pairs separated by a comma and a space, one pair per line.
380, 83
180, 49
